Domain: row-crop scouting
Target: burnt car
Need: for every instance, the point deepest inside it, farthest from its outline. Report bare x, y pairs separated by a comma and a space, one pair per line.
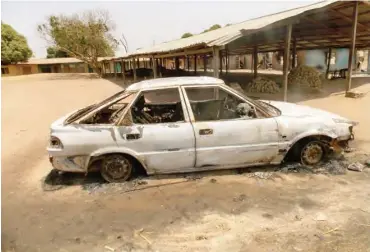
188, 124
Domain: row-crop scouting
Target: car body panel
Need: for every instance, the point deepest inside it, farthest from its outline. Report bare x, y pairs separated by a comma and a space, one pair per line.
179, 147
159, 146
234, 142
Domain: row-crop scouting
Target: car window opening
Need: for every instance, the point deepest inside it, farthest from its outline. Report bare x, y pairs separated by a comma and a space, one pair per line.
110, 113
213, 103
158, 106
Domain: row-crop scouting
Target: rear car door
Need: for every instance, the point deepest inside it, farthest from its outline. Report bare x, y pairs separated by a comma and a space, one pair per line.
160, 134
225, 137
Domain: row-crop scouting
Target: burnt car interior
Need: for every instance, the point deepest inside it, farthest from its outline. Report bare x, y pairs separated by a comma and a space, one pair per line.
158, 106
213, 103
110, 113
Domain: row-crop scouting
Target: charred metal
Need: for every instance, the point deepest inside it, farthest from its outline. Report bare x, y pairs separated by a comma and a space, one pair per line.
190, 124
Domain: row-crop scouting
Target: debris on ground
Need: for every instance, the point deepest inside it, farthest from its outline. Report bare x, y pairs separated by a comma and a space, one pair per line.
304, 76
240, 198
367, 162
348, 149
321, 217
140, 233
201, 237
356, 167
262, 175
296, 167
263, 85
109, 248
335, 167
213, 180
355, 94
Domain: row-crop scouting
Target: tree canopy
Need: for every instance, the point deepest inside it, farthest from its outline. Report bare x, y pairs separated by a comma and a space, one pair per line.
53, 52
213, 27
186, 35
85, 36
14, 47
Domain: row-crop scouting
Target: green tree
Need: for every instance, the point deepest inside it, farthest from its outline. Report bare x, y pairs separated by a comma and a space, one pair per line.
85, 36
186, 35
14, 47
213, 27
227, 25
53, 52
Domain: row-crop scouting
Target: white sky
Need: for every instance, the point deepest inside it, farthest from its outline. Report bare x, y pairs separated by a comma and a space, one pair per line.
142, 22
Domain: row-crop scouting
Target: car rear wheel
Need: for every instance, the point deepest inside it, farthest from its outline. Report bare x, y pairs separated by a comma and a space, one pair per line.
116, 168
312, 153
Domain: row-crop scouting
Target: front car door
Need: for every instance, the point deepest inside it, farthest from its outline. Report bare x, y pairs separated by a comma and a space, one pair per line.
225, 135
160, 133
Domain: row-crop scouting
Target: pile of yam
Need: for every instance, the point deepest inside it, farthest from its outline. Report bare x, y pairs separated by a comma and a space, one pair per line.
304, 76
263, 85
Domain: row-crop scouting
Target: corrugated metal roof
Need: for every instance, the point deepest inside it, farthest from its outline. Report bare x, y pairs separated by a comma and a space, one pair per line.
225, 35
51, 61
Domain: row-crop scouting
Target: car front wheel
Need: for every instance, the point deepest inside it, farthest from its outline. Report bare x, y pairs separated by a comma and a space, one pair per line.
116, 168
312, 153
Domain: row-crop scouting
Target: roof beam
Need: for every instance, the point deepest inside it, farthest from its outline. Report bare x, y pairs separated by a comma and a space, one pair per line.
184, 53
349, 19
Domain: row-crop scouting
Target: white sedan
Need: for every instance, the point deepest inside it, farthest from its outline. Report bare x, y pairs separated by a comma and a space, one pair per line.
188, 124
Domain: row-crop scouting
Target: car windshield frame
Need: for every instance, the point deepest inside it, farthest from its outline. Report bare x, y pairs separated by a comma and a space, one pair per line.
256, 103
81, 113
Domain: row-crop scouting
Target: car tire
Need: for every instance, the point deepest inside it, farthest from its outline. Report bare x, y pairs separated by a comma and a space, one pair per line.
116, 168
312, 153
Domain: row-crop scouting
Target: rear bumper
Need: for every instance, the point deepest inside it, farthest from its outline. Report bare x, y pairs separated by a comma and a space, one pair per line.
69, 164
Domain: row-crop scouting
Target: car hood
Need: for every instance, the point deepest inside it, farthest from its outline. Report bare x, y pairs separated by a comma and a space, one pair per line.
294, 110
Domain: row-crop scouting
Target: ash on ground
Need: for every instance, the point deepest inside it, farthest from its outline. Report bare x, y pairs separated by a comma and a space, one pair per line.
116, 187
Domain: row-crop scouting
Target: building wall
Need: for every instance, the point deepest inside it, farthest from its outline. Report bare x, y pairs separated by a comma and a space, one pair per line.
18, 69
316, 58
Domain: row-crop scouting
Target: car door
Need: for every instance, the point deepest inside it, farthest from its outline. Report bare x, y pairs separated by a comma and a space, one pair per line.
163, 145
224, 138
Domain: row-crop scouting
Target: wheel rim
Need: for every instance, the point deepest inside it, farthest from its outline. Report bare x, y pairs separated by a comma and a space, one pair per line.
117, 168
312, 153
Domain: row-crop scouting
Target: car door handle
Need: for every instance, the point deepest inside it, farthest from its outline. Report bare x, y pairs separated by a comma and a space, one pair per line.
132, 136
205, 131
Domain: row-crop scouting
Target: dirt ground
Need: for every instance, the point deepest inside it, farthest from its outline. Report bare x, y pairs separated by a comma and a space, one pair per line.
245, 210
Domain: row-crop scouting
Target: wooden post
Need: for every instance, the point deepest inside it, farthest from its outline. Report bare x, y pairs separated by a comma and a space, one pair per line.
154, 67
138, 63
205, 63
294, 53
188, 62
353, 44
195, 64
134, 68
252, 63
288, 37
115, 69
227, 61
160, 67
220, 53
255, 61
103, 69
123, 69
177, 63
328, 64
216, 60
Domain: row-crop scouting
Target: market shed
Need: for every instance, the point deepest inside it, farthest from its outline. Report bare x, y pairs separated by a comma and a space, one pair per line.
328, 24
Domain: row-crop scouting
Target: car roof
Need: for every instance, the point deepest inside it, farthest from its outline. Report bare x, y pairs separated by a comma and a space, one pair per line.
174, 82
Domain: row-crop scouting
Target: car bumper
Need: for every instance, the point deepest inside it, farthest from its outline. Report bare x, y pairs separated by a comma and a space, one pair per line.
69, 164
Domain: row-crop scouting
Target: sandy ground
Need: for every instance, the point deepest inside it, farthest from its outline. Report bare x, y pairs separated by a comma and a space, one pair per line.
224, 211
